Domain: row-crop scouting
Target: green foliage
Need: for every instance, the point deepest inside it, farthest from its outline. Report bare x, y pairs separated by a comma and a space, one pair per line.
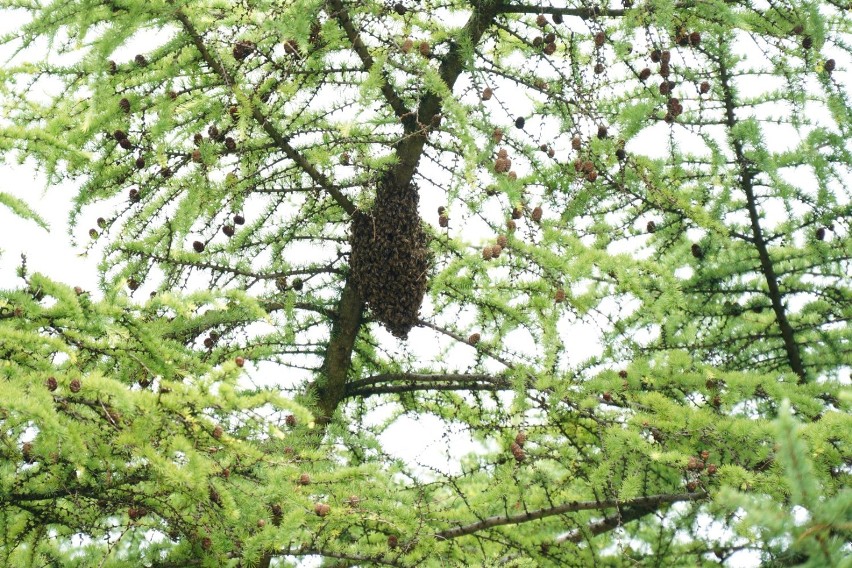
20, 208
637, 321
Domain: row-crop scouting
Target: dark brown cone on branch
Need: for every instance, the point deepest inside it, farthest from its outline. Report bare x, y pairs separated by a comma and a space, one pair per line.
390, 257
536, 214
243, 49
518, 452
27, 452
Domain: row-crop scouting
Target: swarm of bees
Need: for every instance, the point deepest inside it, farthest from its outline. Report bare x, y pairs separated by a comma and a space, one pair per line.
390, 257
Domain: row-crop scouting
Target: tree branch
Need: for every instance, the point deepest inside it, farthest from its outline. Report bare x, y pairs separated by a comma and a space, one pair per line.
508, 364
651, 501
280, 140
747, 174
330, 388
345, 21
423, 378
584, 13
606, 524
413, 382
410, 148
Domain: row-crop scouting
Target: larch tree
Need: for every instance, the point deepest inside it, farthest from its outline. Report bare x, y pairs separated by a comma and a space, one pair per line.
326, 223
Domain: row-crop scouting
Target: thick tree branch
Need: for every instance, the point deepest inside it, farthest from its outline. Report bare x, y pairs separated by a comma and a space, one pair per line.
413, 382
410, 148
330, 388
584, 13
423, 378
606, 524
396, 389
650, 501
747, 174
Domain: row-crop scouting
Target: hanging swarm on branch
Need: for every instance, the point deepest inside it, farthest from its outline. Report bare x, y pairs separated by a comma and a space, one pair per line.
390, 258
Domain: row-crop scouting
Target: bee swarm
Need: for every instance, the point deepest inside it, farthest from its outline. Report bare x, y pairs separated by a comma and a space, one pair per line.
390, 257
